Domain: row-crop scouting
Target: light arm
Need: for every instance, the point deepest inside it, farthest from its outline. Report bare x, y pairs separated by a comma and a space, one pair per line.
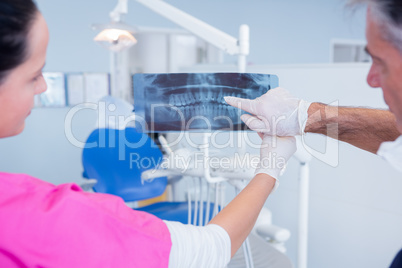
121, 8
205, 31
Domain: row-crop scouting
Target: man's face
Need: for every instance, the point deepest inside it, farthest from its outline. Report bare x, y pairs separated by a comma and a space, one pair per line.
386, 69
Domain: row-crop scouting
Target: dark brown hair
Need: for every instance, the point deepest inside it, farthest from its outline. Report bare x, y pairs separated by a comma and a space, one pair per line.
16, 18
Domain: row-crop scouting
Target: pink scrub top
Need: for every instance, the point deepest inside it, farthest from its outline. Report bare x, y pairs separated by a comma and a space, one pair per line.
43, 225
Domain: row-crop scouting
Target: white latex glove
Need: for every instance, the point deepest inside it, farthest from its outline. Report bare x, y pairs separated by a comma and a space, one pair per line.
276, 112
274, 154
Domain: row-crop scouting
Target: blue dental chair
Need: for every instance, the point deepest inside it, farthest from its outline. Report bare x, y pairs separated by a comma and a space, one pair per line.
116, 159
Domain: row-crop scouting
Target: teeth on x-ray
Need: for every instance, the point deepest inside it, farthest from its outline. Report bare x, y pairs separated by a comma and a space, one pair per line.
176, 102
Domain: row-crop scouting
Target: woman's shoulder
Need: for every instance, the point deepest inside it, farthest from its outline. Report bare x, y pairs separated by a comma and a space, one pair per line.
12, 183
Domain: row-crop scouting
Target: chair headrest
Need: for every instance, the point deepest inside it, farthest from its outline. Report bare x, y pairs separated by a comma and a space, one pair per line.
116, 158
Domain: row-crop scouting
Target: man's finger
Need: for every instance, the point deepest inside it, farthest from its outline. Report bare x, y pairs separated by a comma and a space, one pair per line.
243, 104
254, 123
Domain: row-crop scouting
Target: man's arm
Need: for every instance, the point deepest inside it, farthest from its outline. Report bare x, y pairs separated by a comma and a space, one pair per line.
361, 127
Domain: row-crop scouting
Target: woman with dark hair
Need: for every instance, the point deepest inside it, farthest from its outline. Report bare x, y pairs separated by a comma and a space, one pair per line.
23, 53
43, 225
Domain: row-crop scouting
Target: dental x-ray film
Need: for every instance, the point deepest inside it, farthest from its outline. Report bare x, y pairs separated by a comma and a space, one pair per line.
194, 101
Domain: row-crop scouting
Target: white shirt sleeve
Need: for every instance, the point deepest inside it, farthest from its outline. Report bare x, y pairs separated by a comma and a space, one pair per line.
391, 151
198, 246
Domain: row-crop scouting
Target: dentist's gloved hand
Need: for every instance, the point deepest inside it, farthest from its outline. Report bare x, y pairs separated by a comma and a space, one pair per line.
274, 154
276, 112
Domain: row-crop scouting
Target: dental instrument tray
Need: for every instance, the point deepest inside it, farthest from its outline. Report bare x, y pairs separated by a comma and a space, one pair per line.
194, 101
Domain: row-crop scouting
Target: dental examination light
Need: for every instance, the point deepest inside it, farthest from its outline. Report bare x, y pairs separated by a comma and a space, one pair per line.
213, 36
115, 39
116, 36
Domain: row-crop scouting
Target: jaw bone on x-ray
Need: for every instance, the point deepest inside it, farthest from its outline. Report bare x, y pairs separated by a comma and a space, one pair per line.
194, 101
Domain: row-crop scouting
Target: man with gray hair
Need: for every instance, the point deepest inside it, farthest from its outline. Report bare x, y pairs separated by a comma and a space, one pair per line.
376, 131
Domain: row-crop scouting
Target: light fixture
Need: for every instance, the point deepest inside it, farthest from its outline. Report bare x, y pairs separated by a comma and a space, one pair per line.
115, 39
116, 36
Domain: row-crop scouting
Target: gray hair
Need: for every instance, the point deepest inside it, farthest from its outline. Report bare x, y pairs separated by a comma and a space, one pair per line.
388, 13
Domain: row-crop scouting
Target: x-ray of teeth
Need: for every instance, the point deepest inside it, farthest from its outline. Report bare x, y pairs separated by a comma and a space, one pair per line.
194, 101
